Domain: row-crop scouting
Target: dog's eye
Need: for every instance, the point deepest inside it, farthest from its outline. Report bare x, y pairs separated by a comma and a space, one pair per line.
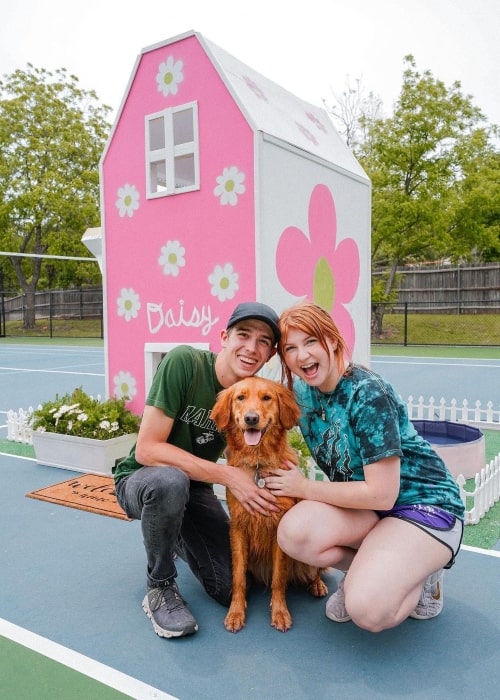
240, 397
267, 397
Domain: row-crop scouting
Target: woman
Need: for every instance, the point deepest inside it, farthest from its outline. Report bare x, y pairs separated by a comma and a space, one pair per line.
390, 515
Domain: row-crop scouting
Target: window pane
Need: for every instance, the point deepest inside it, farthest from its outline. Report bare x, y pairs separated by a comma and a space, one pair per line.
184, 171
158, 176
156, 134
183, 126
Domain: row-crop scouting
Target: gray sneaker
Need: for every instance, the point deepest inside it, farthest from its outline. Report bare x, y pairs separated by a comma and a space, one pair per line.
335, 605
168, 612
431, 598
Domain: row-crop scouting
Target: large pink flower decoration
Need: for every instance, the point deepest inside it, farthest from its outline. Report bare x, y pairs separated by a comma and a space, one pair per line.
311, 266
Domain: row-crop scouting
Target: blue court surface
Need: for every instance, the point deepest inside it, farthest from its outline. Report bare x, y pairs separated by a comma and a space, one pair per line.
72, 583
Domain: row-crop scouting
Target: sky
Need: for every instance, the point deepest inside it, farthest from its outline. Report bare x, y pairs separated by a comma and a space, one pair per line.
309, 48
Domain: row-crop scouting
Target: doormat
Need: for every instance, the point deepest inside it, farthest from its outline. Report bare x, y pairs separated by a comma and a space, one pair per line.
92, 492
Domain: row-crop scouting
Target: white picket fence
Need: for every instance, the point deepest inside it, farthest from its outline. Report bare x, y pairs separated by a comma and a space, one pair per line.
486, 492
486, 482
18, 429
488, 418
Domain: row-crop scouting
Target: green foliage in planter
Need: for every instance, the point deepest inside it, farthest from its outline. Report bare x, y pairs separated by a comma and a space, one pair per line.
81, 415
296, 440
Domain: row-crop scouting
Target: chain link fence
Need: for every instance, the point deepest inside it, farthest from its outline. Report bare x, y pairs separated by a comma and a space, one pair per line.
431, 323
79, 313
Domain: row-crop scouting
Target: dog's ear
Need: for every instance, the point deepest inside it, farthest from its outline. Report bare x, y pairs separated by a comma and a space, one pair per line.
221, 411
289, 409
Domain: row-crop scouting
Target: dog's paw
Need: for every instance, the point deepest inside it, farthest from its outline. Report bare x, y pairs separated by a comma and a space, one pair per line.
234, 621
318, 588
281, 620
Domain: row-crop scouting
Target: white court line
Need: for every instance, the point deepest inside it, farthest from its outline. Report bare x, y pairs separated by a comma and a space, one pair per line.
397, 361
15, 370
479, 550
83, 664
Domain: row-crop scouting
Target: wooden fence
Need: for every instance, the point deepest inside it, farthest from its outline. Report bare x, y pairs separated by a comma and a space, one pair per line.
465, 288
81, 302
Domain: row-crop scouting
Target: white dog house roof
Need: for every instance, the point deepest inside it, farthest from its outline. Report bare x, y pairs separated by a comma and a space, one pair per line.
271, 109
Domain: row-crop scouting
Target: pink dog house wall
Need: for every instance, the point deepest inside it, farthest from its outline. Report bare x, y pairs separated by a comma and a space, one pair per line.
218, 187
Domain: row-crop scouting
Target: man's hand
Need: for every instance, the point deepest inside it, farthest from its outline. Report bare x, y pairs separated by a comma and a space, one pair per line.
252, 498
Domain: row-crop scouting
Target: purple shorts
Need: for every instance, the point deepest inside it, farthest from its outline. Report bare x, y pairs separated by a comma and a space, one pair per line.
438, 523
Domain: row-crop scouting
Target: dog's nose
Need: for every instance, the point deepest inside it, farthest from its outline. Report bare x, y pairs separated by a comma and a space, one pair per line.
251, 419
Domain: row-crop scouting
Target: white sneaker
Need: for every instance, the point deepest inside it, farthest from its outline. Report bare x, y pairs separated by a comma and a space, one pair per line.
335, 605
431, 598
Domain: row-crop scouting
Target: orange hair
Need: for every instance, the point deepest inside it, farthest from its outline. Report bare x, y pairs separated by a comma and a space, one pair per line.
314, 321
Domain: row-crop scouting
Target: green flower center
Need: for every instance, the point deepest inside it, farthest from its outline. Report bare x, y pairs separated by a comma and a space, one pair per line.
127, 200
224, 283
172, 258
324, 285
229, 185
168, 78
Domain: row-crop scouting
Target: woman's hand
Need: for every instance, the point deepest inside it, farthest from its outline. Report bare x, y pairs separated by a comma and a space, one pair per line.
289, 481
252, 498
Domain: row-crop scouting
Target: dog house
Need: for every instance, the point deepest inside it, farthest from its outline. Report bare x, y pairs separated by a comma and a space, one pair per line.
218, 186
461, 447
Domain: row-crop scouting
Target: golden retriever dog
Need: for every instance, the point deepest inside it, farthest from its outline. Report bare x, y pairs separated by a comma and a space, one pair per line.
255, 415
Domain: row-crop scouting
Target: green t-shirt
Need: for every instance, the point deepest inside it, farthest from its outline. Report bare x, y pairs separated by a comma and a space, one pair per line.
185, 387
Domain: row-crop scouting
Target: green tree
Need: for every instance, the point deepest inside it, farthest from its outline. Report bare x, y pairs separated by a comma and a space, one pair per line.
52, 134
475, 225
422, 161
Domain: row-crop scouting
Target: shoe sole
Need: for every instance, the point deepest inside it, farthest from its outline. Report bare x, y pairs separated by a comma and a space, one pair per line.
348, 618
161, 631
415, 616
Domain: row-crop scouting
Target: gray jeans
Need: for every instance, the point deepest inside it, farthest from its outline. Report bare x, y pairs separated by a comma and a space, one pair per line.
179, 516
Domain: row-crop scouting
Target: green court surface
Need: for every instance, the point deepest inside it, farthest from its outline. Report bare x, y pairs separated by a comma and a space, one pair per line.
33, 675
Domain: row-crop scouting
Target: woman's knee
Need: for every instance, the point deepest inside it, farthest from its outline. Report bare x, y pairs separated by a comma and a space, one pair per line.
369, 609
292, 535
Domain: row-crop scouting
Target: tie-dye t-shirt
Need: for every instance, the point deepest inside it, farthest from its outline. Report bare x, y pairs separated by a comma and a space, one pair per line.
364, 422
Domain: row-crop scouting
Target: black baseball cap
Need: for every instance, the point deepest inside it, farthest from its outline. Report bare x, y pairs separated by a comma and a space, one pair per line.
261, 312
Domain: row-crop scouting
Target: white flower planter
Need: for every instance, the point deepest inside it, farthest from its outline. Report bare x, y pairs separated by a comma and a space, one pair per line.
81, 454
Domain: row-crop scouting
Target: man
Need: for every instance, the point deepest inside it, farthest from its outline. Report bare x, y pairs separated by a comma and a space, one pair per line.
166, 481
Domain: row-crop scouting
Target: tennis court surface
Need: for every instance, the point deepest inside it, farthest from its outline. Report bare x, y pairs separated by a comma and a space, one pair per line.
71, 585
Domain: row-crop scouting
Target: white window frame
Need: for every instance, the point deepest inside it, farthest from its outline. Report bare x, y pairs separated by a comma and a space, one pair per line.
171, 152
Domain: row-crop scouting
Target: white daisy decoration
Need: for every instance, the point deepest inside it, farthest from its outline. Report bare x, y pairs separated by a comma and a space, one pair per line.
128, 200
230, 185
172, 258
125, 385
169, 76
128, 304
224, 282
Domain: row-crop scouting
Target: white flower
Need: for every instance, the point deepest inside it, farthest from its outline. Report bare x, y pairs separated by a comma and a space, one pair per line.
125, 385
128, 304
230, 186
128, 200
224, 281
114, 426
172, 258
105, 425
169, 76
82, 417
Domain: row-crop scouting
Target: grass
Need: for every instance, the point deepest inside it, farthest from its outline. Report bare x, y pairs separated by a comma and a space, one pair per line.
59, 328
442, 329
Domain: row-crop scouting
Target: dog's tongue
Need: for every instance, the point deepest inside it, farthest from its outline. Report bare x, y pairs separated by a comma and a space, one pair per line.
252, 437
